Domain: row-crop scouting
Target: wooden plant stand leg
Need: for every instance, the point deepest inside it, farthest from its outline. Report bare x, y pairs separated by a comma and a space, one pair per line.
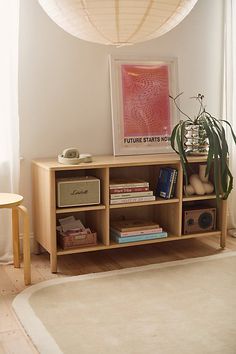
26, 245
15, 237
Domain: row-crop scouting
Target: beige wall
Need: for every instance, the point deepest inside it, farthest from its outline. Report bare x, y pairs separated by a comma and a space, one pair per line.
64, 82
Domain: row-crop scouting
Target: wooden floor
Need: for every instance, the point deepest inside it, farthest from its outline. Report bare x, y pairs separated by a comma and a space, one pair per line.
12, 336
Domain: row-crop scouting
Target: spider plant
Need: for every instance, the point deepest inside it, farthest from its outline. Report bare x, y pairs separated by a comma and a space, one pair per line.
218, 152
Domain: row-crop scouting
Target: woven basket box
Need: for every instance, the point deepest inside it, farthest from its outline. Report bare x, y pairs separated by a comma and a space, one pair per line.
79, 240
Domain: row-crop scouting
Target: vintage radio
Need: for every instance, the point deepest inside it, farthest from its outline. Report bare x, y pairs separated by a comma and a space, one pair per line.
198, 219
72, 192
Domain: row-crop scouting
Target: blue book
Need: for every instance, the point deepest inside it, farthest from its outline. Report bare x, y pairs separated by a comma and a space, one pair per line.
144, 237
165, 182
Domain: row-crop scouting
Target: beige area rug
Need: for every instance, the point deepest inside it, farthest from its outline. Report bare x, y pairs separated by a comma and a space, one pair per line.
180, 307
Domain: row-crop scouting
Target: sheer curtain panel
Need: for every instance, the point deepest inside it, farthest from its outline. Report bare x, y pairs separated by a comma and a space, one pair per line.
9, 122
229, 97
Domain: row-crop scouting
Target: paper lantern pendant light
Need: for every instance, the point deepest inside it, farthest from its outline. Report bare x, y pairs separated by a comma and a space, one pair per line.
117, 22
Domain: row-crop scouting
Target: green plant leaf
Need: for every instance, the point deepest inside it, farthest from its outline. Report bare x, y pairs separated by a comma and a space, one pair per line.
182, 154
232, 132
211, 145
173, 137
216, 166
226, 176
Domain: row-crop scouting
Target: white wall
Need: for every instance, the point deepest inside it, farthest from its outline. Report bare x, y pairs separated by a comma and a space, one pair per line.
64, 82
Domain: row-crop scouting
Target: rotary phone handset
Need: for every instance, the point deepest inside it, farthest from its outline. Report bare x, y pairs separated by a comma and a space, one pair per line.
71, 156
70, 153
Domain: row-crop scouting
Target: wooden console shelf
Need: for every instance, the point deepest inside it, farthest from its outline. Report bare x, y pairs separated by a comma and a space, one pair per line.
168, 213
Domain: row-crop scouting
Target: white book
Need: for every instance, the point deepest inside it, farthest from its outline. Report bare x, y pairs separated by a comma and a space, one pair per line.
127, 182
132, 200
131, 195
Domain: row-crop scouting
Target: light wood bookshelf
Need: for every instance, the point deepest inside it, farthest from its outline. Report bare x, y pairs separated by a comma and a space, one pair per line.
168, 213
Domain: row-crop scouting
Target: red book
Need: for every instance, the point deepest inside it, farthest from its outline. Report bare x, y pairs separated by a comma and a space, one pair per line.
128, 190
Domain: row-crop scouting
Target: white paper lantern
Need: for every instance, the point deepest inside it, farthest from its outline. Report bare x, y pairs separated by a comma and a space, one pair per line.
117, 22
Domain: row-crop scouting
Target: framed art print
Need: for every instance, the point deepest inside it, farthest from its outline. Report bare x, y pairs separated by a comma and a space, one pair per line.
142, 113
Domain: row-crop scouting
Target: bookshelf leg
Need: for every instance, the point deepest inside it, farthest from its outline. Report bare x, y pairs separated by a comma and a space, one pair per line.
223, 240
53, 263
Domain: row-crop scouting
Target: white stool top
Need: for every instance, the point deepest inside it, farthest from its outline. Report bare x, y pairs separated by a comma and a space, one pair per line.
10, 200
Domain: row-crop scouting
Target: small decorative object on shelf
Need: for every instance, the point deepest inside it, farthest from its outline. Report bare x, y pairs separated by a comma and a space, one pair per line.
72, 233
126, 190
199, 183
71, 156
134, 230
166, 182
206, 135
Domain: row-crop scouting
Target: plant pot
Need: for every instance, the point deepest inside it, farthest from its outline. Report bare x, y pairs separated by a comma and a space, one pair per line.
196, 142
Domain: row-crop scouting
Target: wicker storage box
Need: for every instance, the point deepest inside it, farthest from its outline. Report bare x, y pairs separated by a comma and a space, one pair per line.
79, 240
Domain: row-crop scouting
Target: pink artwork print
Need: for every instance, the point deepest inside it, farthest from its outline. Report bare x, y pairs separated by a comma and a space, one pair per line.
145, 94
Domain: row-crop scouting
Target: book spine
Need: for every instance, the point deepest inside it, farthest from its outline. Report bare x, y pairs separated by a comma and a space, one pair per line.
136, 232
128, 190
132, 200
139, 238
173, 184
129, 185
131, 195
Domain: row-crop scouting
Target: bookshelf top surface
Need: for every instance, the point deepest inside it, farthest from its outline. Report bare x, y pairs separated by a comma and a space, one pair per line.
116, 161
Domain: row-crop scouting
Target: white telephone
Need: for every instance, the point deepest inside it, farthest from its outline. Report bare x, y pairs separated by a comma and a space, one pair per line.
71, 156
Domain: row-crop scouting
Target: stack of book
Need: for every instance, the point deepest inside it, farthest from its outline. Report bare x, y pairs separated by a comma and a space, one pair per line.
166, 182
135, 230
126, 190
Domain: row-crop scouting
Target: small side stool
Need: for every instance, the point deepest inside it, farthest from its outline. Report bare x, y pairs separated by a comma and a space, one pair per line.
14, 202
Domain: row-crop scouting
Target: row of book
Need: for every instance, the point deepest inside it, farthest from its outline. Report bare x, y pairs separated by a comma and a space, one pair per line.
134, 230
131, 190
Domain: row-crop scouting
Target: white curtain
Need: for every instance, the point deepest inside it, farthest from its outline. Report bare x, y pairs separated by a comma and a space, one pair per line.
9, 122
229, 101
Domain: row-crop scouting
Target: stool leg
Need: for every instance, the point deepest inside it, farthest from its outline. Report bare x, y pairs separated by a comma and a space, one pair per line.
15, 237
26, 245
